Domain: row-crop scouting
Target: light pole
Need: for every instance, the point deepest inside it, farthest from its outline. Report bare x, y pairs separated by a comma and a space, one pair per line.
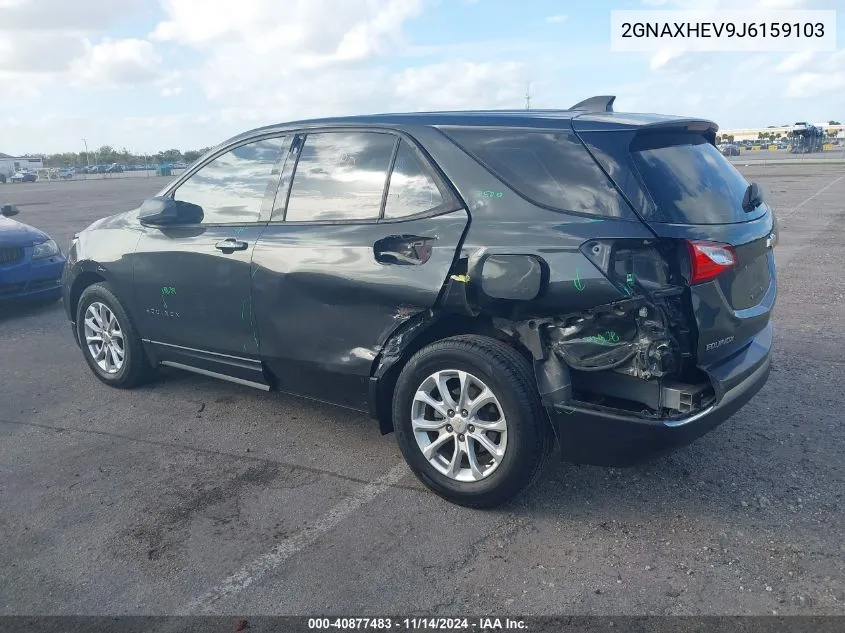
87, 156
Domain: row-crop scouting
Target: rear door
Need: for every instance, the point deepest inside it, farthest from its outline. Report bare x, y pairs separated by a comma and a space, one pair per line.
361, 241
692, 196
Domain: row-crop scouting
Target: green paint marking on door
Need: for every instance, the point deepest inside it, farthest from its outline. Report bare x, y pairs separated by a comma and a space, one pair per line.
577, 281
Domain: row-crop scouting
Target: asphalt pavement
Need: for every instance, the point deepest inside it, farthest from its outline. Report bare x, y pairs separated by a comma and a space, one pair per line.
192, 495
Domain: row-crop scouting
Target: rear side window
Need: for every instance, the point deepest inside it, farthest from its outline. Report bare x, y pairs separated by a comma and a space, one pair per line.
690, 181
340, 176
412, 189
549, 168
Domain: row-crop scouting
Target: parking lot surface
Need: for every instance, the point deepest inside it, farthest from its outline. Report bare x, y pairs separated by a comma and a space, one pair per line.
192, 495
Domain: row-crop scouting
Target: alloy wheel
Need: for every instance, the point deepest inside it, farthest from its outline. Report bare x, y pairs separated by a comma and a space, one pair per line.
104, 337
459, 425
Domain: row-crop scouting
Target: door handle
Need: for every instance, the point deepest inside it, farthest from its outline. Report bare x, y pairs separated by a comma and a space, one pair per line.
407, 250
230, 245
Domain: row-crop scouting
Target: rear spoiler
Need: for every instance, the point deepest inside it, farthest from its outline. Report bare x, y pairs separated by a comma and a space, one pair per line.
643, 124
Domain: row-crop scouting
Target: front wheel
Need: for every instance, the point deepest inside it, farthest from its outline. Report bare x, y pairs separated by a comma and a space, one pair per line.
109, 341
469, 421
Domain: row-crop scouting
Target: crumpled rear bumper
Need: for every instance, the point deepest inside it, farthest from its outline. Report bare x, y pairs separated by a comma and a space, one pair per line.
589, 436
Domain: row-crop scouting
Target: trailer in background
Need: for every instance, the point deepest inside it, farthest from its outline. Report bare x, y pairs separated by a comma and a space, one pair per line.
806, 138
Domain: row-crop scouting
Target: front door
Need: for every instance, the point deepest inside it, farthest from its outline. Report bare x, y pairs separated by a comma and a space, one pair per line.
361, 240
193, 282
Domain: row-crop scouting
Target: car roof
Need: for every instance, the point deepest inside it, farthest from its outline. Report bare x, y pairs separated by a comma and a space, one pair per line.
587, 120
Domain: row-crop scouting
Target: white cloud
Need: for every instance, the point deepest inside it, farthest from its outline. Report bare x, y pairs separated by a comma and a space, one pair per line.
794, 62
556, 19
170, 83
827, 77
662, 58
115, 62
47, 43
300, 41
25, 52
19, 89
710, 5
51, 15
461, 85
301, 28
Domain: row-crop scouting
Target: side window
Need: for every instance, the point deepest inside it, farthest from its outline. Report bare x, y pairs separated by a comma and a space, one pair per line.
231, 187
340, 176
412, 189
549, 168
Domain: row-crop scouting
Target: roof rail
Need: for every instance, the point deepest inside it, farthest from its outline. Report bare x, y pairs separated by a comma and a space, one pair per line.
602, 103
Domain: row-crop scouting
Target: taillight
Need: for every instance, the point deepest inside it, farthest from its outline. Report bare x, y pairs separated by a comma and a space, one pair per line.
709, 260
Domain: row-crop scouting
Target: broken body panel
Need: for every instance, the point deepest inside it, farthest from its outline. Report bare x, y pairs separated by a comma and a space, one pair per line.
631, 358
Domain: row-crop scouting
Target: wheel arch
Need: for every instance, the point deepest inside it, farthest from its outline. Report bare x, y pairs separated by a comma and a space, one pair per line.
83, 280
414, 335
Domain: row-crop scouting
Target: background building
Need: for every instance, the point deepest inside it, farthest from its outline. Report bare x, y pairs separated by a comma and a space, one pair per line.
752, 134
11, 164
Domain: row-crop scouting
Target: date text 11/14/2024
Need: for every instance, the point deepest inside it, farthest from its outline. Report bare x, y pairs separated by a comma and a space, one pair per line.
417, 624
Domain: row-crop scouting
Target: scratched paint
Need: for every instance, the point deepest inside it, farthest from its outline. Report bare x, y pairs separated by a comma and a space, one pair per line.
247, 316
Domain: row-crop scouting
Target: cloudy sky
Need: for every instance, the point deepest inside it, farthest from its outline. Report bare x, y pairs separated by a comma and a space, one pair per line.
154, 74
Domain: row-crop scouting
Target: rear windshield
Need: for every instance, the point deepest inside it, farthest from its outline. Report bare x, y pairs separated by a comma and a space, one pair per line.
548, 168
690, 181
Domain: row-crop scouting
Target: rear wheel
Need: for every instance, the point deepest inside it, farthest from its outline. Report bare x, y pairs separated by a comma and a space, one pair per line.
469, 422
109, 341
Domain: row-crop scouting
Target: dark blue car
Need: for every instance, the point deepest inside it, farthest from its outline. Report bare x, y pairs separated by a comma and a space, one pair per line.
31, 263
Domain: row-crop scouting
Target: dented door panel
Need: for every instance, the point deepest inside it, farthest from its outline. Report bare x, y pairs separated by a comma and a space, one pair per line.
328, 296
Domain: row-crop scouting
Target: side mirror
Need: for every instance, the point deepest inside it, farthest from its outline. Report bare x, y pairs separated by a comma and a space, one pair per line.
753, 197
8, 210
165, 211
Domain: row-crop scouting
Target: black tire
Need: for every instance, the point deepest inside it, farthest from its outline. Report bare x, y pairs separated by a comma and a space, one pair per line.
511, 378
136, 368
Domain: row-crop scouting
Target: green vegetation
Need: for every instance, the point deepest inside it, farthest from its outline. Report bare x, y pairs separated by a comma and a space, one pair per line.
106, 155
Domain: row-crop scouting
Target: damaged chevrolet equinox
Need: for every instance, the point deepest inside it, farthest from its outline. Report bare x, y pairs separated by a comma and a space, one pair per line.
489, 285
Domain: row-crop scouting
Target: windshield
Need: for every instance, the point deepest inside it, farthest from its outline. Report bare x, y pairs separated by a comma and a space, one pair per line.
690, 181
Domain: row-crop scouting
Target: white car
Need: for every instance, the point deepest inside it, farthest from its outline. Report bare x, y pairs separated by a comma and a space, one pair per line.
24, 176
